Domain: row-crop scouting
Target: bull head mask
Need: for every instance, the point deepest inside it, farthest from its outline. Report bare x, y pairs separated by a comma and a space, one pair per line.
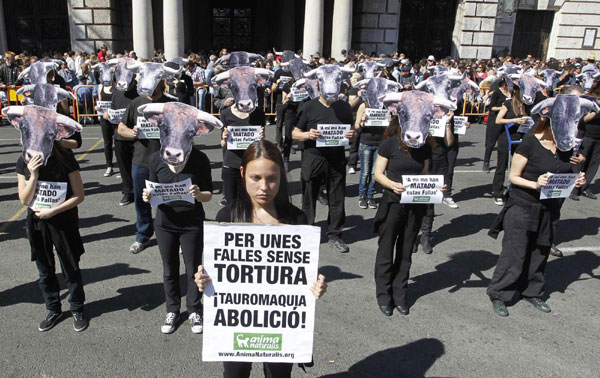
243, 82
330, 78
39, 128
150, 74
178, 124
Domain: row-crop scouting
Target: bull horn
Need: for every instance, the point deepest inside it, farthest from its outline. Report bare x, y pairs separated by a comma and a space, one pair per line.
588, 106
95, 66
133, 67
256, 56
222, 59
68, 122
348, 69
65, 94
547, 103
596, 76
439, 101
172, 71
284, 64
310, 73
185, 60
362, 82
392, 97
305, 61
113, 62
380, 64
541, 82
209, 119
297, 56
151, 109
263, 71
458, 77
299, 83
579, 76
515, 76
218, 79
394, 84
23, 73
24, 89
277, 52
13, 111
421, 85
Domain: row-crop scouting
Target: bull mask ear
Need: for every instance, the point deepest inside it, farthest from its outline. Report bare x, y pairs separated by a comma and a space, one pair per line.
262, 74
14, 114
362, 84
544, 107
152, 112
391, 100
26, 90
220, 79
588, 106
63, 94
205, 123
133, 66
66, 126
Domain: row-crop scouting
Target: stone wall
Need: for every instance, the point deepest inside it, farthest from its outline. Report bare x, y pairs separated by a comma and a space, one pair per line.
474, 29
94, 23
375, 25
570, 22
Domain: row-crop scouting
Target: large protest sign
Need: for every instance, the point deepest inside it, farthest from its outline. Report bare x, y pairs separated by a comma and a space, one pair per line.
422, 189
376, 117
163, 193
524, 128
437, 126
460, 125
259, 306
559, 185
299, 94
333, 135
48, 195
103, 106
115, 115
146, 129
240, 137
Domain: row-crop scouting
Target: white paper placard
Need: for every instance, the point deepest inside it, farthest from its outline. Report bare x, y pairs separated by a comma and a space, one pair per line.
460, 125
559, 185
283, 80
333, 135
48, 195
163, 193
437, 126
240, 137
103, 106
524, 128
115, 115
376, 117
422, 189
299, 95
258, 306
146, 129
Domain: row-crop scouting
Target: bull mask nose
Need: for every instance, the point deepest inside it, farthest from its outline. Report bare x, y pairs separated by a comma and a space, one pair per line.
173, 153
528, 100
413, 137
245, 104
30, 154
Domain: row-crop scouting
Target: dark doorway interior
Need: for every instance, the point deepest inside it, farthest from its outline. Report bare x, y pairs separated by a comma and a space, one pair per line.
37, 26
532, 32
426, 27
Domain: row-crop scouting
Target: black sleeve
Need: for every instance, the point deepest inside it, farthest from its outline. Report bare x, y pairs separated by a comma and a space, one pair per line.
204, 173
524, 148
301, 119
129, 115
77, 138
154, 162
224, 215
70, 163
21, 167
385, 148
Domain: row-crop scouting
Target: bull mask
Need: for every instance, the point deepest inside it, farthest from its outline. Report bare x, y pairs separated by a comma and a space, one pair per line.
330, 77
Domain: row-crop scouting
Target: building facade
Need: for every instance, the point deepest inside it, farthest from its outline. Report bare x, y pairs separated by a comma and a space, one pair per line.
460, 28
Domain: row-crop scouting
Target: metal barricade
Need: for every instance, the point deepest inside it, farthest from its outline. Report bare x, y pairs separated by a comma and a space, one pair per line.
8, 97
475, 108
88, 104
74, 103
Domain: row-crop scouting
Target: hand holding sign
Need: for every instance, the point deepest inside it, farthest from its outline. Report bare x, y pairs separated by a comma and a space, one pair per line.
542, 180
423, 188
334, 135
558, 185
201, 278
320, 287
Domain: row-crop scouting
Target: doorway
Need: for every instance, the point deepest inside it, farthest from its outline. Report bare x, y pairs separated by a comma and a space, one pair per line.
532, 33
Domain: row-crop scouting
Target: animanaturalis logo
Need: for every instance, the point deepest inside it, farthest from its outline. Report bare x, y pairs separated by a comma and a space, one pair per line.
554, 193
257, 341
421, 198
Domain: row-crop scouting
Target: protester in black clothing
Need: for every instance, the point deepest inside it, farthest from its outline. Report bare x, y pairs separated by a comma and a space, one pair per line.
324, 163
264, 199
9, 71
493, 130
105, 93
280, 79
230, 173
289, 113
591, 146
527, 221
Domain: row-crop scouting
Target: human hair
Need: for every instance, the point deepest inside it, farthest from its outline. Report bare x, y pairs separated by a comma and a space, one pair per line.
542, 125
517, 104
241, 209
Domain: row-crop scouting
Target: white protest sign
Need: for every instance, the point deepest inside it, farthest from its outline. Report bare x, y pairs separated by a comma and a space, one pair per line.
524, 128
333, 135
48, 195
102, 106
240, 137
460, 125
115, 115
146, 129
559, 185
299, 95
422, 189
163, 193
283, 80
258, 306
376, 117
437, 127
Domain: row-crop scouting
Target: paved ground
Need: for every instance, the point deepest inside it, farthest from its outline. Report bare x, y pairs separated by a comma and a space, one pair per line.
450, 332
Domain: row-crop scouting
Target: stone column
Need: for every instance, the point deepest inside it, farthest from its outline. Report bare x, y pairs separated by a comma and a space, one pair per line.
341, 34
3, 40
313, 28
173, 28
143, 33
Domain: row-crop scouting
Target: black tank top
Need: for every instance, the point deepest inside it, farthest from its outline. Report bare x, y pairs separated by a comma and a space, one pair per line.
102, 96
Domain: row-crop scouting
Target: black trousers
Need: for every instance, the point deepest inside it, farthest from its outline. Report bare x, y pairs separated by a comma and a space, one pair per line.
397, 234
289, 116
124, 153
492, 133
280, 111
231, 183
521, 265
353, 152
592, 148
108, 132
271, 369
191, 245
500, 172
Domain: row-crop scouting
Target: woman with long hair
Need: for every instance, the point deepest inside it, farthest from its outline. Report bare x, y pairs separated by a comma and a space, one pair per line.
494, 130
527, 220
105, 93
263, 199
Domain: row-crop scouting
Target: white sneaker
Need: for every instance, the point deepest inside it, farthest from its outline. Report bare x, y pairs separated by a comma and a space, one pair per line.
170, 323
499, 201
109, 172
351, 170
450, 202
196, 322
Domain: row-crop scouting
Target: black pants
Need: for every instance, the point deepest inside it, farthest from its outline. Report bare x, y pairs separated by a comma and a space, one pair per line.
191, 245
288, 124
271, 369
396, 234
280, 111
314, 171
500, 172
492, 133
124, 153
353, 152
231, 183
592, 148
521, 265
108, 132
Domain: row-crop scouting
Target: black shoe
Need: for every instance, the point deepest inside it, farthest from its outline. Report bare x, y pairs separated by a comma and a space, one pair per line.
339, 245
323, 199
574, 195
588, 194
426, 243
486, 167
403, 310
126, 200
80, 323
500, 307
372, 204
539, 304
293, 150
416, 245
362, 203
49, 321
387, 310
554, 251
223, 202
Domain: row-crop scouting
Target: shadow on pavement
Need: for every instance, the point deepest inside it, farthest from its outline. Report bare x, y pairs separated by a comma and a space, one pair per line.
410, 360
333, 273
473, 192
465, 225
562, 272
575, 229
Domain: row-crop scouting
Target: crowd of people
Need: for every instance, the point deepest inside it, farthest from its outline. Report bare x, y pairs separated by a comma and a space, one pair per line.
254, 180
